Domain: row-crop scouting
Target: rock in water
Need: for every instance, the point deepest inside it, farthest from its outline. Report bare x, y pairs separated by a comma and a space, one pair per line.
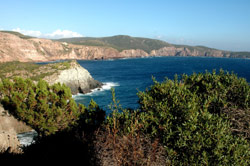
76, 77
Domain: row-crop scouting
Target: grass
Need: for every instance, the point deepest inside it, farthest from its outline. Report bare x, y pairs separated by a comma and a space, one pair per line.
31, 70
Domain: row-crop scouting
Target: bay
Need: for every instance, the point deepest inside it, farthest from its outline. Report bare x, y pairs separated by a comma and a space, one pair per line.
129, 76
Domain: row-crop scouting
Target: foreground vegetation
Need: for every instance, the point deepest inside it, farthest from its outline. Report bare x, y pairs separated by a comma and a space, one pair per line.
201, 119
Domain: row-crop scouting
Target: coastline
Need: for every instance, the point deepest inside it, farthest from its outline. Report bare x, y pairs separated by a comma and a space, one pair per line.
137, 57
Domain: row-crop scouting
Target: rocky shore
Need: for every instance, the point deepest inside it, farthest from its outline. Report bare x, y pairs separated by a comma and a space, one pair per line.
9, 127
76, 77
69, 73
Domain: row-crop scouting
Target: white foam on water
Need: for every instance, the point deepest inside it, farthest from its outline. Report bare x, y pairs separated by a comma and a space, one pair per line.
109, 60
26, 138
106, 86
109, 85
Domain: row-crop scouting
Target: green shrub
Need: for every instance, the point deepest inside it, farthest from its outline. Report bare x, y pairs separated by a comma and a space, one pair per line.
121, 141
45, 108
219, 90
187, 117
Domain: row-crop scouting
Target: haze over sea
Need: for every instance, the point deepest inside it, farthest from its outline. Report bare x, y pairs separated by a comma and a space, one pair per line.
128, 76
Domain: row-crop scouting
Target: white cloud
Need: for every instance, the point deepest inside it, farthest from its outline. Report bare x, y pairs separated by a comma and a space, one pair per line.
54, 35
28, 32
63, 34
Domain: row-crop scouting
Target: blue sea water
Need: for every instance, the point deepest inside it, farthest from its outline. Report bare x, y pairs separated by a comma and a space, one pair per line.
129, 76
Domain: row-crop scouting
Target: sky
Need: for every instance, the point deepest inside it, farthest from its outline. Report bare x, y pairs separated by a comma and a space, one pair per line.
221, 24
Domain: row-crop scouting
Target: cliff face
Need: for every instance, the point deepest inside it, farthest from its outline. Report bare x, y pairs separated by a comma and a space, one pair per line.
183, 51
9, 127
14, 48
69, 72
76, 77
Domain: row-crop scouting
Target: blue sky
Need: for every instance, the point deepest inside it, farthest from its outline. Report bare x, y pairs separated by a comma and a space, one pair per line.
222, 24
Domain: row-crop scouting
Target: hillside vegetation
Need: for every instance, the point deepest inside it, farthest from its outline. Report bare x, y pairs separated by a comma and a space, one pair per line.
120, 42
30, 70
201, 119
123, 42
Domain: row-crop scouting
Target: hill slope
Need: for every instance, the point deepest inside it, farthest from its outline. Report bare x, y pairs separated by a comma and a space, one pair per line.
17, 47
120, 42
123, 42
18, 34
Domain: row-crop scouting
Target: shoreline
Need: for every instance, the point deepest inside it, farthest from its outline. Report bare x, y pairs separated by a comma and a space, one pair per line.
105, 86
121, 58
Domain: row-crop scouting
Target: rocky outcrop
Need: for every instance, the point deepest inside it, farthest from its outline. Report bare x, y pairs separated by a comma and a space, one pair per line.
184, 51
67, 72
133, 53
9, 127
9, 124
9, 142
76, 77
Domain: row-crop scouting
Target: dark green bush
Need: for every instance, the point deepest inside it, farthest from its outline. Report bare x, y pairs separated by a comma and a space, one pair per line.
219, 90
91, 117
187, 117
201, 119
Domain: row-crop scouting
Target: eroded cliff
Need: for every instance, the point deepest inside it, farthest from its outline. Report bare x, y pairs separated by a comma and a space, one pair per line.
15, 48
69, 73
76, 77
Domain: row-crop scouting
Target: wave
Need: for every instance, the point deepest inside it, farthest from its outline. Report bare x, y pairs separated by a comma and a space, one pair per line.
109, 85
27, 138
105, 86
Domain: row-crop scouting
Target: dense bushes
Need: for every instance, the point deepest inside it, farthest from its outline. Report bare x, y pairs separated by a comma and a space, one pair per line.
201, 119
187, 115
121, 142
47, 109
194, 117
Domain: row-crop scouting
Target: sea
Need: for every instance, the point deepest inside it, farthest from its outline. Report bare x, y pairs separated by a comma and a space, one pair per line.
130, 76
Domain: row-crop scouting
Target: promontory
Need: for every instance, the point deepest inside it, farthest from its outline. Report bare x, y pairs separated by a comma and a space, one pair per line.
69, 73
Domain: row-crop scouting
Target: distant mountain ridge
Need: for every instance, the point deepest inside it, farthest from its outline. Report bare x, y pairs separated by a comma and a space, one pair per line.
120, 42
124, 42
15, 46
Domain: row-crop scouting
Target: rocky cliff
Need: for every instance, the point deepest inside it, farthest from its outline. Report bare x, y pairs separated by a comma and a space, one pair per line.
184, 51
76, 77
16, 48
9, 127
69, 72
